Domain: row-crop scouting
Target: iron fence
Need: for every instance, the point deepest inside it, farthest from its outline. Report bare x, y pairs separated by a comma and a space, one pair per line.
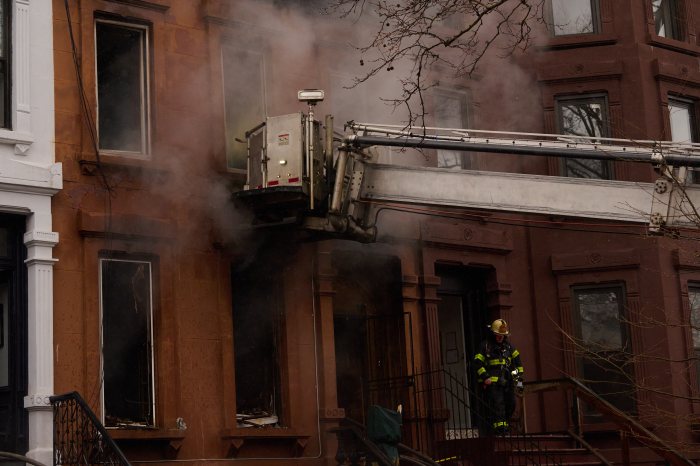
79, 437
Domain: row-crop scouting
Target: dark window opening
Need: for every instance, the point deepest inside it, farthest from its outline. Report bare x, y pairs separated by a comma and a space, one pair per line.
5, 71
122, 86
258, 328
127, 342
603, 344
569, 17
668, 18
584, 117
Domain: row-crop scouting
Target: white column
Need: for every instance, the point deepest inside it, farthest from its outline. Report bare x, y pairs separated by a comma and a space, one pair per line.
40, 342
21, 81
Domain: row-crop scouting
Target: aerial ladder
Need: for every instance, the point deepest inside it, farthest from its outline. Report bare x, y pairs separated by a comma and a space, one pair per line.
301, 170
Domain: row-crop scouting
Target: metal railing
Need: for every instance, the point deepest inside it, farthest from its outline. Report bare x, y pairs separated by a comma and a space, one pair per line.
631, 431
79, 438
446, 420
6, 456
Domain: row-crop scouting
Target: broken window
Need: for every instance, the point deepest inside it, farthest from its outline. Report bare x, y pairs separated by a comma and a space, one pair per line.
683, 126
573, 17
122, 62
5, 100
694, 300
127, 342
451, 111
584, 117
258, 333
244, 100
668, 18
603, 344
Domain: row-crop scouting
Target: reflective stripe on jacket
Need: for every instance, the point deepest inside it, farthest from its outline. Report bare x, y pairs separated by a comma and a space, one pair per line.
496, 360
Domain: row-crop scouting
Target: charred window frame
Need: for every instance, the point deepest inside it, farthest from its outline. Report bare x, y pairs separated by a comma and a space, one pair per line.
694, 305
604, 344
683, 123
570, 17
127, 366
122, 67
668, 18
243, 74
5, 64
584, 116
451, 110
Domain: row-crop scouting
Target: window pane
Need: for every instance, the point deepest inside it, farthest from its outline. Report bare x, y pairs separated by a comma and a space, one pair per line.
243, 94
585, 117
681, 121
121, 92
126, 342
603, 348
600, 320
572, 17
667, 18
450, 110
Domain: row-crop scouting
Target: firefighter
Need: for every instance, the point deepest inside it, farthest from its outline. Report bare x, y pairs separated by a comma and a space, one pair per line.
499, 370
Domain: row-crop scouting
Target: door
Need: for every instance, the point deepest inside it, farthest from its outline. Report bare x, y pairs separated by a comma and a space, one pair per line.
462, 319
13, 338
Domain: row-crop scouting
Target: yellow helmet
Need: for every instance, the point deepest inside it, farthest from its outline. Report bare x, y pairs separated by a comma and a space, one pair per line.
500, 327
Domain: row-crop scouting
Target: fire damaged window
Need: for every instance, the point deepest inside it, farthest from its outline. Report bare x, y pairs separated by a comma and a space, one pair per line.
584, 117
451, 111
668, 18
603, 344
121, 57
244, 100
258, 332
573, 17
694, 300
127, 342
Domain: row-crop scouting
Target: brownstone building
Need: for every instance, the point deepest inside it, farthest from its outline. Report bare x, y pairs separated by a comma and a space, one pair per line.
194, 338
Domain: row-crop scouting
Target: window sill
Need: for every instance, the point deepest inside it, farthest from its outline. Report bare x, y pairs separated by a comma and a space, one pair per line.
21, 141
169, 440
237, 439
674, 45
91, 168
579, 40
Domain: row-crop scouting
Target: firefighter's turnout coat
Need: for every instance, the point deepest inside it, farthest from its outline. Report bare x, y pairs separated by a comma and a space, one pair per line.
496, 361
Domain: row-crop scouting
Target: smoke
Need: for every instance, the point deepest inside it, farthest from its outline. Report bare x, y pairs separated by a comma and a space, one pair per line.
271, 49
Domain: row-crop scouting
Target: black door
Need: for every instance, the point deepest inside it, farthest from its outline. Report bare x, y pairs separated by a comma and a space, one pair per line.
13, 336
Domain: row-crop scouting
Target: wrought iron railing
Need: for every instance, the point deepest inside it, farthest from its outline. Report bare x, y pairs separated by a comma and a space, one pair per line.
631, 431
79, 438
6, 456
447, 421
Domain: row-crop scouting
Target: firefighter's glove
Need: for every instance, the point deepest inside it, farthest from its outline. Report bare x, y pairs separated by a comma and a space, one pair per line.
519, 388
487, 382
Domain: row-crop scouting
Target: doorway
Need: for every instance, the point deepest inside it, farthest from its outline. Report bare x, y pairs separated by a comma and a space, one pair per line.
372, 349
13, 336
463, 319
